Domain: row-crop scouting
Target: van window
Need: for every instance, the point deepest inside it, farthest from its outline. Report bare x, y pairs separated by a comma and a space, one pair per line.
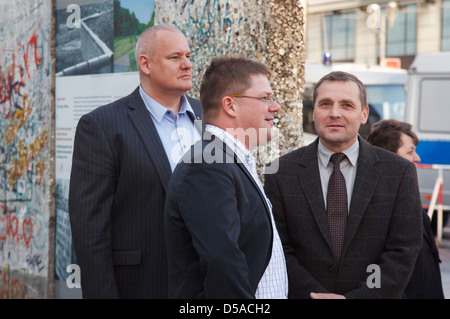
387, 101
430, 106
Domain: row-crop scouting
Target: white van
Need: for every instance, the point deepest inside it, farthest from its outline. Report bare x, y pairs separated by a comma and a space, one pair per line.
428, 110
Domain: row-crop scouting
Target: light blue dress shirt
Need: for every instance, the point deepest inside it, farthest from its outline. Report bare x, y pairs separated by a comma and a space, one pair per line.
348, 166
178, 133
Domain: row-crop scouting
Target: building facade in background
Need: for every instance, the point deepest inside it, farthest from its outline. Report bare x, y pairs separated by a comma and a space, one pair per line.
344, 28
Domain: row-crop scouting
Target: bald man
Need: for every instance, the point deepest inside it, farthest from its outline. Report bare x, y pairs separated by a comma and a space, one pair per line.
124, 155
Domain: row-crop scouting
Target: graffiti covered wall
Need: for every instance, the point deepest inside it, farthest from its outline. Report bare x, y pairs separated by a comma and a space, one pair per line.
270, 31
25, 148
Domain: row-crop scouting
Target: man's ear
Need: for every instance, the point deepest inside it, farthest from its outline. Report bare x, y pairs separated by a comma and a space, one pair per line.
365, 115
229, 106
144, 64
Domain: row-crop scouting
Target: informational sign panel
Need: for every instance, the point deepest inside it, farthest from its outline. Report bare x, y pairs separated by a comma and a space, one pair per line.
75, 96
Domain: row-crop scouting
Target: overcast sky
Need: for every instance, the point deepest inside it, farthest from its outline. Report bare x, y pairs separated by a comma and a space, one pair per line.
143, 9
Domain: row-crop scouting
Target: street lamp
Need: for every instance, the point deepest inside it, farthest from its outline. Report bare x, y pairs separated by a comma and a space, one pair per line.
377, 21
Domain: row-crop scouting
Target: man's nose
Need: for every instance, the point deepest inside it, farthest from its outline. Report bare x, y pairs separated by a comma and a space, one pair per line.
335, 111
275, 107
186, 64
416, 158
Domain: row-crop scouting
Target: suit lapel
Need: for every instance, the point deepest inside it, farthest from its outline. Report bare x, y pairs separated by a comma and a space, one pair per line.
263, 196
231, 157
367, 176
198, 123
309, 178
147, 131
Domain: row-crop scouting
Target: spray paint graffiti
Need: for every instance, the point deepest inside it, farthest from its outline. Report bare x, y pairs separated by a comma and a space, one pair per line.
25, 136
23, 226
25, 127
12, 228
11, 288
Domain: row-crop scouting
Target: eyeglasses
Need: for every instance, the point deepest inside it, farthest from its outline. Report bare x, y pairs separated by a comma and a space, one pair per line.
268, 100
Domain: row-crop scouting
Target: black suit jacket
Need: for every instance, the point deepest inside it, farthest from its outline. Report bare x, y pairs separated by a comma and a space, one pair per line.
120, 171
384, 225
217, 226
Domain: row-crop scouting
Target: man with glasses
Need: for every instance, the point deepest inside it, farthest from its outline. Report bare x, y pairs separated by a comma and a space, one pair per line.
220, 234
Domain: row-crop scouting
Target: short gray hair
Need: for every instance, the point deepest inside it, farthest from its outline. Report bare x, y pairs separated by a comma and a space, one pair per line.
151, 35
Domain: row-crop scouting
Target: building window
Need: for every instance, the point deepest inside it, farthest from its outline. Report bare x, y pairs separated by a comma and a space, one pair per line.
340, 30
401, 40
445, 25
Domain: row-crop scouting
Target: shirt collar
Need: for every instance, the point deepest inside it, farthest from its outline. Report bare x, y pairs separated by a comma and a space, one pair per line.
352, 153
158, 111
233, 143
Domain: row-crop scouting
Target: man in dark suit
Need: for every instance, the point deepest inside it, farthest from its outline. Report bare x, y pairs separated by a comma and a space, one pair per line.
381, 226
124, 154
221, 238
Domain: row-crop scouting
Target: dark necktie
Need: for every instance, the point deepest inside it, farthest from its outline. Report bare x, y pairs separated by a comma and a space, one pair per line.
337, 206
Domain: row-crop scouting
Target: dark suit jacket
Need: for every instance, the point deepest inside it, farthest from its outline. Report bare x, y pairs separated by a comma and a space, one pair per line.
384, 225
118, 182
217, 226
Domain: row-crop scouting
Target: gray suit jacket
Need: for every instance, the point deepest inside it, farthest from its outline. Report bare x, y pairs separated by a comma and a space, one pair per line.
119, 176
384, 225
